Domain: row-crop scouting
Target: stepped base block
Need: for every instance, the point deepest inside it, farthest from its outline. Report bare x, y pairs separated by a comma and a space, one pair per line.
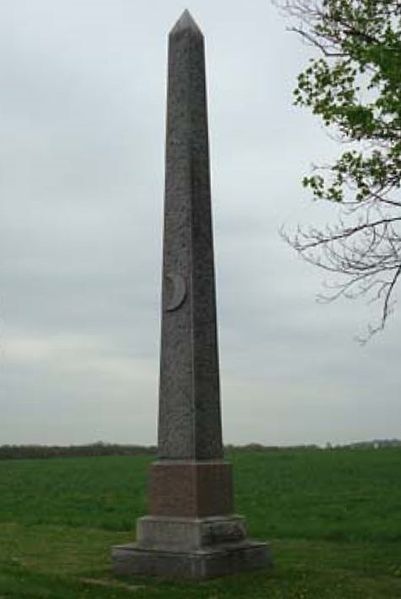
199, 564
189, 534
190, 548
191, 488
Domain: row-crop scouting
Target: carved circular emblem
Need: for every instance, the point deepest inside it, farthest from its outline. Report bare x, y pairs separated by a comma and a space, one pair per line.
176, 291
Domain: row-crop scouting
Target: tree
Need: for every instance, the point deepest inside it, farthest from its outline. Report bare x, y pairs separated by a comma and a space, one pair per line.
354, 86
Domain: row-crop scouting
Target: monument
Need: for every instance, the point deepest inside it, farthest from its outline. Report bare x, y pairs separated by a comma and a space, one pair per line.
192, 531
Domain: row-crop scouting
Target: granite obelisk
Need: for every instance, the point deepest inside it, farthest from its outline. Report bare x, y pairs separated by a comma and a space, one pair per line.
191, 531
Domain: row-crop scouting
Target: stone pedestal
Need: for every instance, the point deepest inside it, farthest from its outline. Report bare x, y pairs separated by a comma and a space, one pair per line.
184, 538
191, 489
190, 548
199, 564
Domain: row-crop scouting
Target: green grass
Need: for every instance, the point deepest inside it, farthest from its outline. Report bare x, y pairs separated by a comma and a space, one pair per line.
333, 519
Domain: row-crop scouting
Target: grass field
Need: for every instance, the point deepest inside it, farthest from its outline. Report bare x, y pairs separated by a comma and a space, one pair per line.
333, 519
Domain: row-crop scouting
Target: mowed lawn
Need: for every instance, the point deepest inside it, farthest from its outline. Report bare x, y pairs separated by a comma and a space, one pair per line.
333, 519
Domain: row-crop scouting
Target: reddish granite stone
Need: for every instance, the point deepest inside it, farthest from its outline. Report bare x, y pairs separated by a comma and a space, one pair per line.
191, 489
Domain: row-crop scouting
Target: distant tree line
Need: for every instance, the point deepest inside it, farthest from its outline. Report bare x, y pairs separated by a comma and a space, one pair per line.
24, 452
21, 452
264, 448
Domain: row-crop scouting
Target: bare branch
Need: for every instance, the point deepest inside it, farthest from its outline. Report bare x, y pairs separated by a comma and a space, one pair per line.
315, 42
354, 88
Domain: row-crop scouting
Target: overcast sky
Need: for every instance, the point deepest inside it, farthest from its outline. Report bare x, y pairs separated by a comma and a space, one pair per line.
82, 121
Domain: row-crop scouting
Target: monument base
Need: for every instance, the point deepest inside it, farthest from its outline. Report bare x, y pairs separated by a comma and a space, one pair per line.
200, 564
193, 549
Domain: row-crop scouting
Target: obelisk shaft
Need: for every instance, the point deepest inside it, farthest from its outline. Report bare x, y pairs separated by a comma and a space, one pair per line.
189, 402
191, 531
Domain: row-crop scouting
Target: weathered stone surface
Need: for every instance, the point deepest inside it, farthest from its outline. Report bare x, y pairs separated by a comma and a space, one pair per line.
189, 534
189, 405
192, 565
191, 531
191, 489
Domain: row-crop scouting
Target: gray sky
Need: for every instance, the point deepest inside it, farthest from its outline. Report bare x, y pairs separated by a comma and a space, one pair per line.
82, 117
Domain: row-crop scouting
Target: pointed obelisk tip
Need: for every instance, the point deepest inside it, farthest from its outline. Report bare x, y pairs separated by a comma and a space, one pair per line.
186, 23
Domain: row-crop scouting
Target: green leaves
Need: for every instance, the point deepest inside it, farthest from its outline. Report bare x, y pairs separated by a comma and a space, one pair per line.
354, 87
